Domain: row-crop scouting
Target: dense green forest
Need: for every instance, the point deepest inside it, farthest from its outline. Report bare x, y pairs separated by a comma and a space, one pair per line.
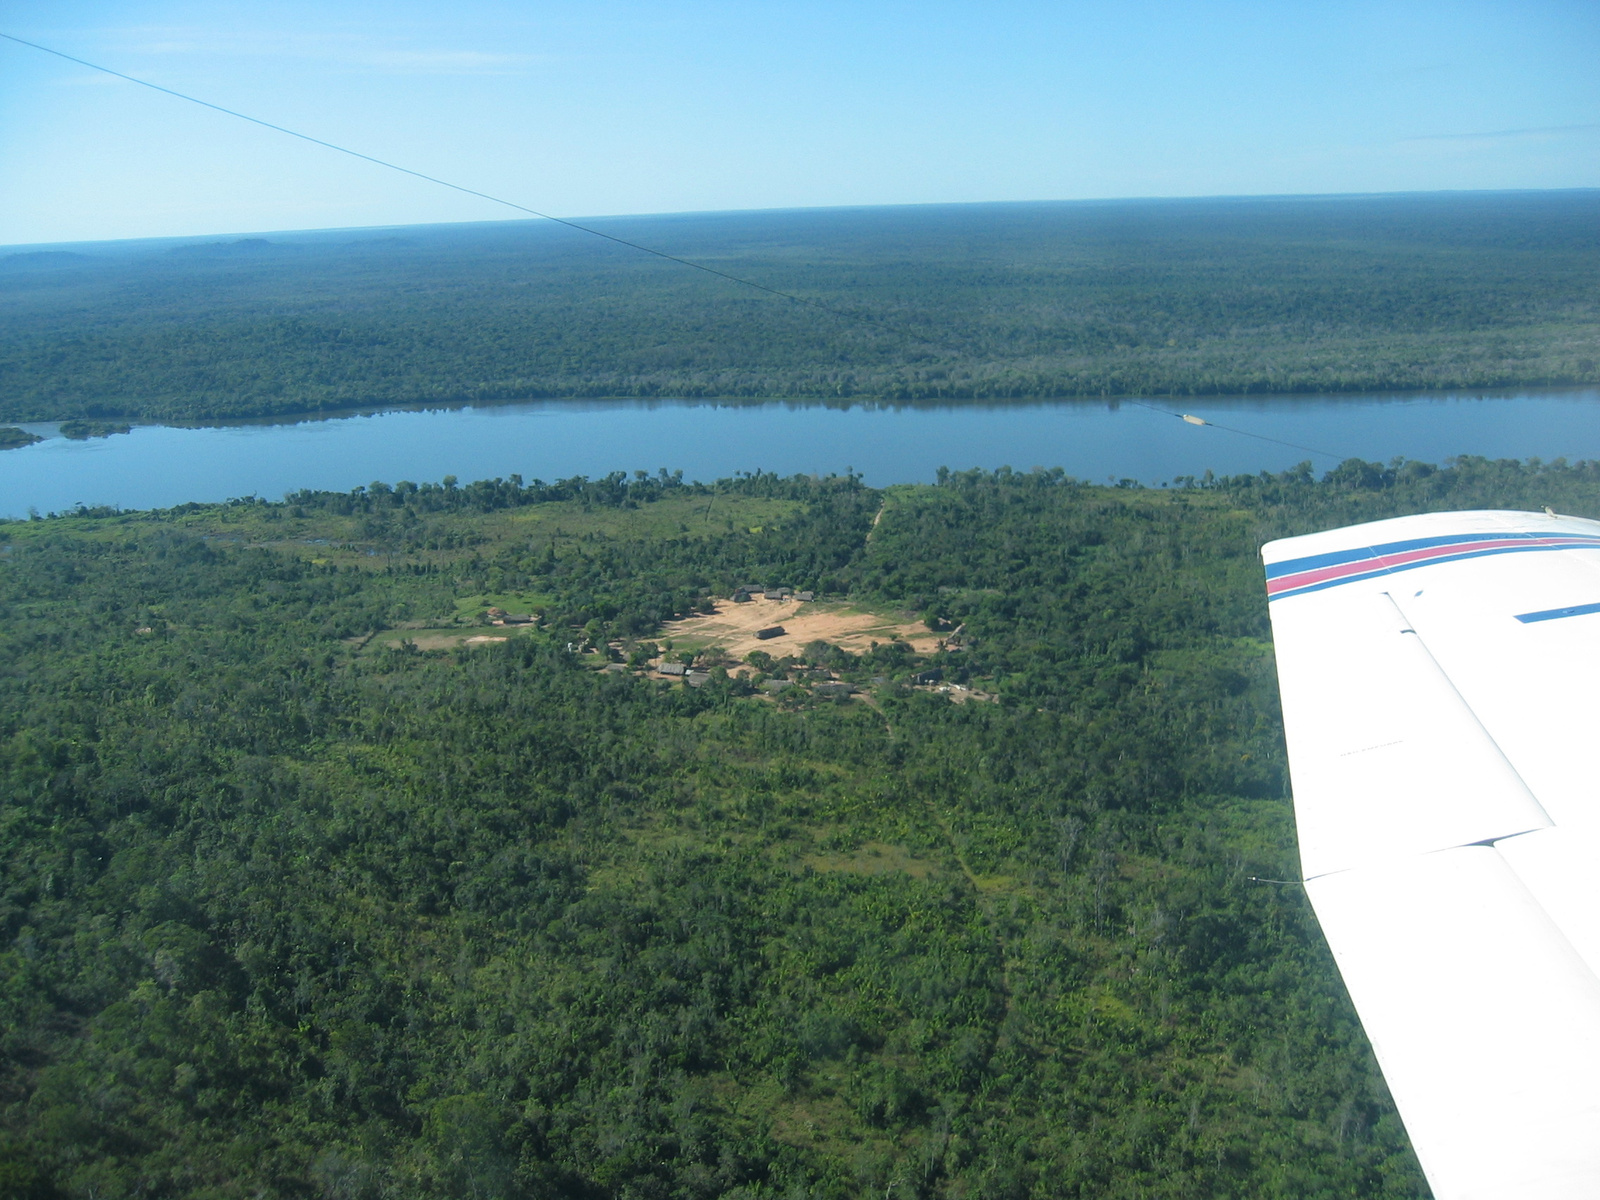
12, 438
940, 303
293, 906
82, 431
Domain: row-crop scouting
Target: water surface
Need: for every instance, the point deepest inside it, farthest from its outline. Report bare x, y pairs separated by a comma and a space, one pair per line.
156, 466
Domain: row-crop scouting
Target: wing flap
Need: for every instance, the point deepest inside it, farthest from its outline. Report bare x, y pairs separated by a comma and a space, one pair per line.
1485, 1020
1558, 867
1529, 681
1437, 676
1385, 756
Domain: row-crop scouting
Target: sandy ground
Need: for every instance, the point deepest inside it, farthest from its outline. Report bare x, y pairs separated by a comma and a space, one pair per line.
733, 628
434, 639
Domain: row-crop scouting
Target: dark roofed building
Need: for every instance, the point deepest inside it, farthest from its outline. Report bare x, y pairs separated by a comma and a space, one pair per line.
771, 631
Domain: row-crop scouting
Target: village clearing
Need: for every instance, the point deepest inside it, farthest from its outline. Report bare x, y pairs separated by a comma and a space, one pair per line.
732, 628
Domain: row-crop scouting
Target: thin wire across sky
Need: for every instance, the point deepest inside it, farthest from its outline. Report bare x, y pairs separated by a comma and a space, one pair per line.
581, 228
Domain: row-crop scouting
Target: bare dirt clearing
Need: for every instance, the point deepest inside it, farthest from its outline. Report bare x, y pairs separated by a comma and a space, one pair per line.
732, 628
439, 639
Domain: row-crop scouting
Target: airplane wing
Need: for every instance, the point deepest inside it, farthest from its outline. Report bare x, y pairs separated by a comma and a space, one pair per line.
1440, 677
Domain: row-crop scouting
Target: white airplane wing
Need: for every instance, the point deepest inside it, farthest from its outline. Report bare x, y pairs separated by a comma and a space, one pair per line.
1440, 677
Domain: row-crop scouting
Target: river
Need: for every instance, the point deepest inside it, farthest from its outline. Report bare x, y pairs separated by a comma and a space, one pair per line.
157, 466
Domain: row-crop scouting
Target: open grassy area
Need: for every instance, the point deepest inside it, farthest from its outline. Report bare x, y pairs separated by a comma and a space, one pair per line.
357, 540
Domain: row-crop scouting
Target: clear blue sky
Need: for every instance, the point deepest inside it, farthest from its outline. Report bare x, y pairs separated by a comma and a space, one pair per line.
612, 106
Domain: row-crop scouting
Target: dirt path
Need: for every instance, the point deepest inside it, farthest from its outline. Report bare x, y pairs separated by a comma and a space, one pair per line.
985, 902
877, 516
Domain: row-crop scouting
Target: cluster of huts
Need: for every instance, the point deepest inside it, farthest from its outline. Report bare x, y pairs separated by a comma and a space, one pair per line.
694, 678
499, 616
684, 672
826, 688
749, 592
823, 688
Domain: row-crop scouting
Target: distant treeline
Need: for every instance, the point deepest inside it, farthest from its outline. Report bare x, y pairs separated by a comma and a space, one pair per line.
978, 302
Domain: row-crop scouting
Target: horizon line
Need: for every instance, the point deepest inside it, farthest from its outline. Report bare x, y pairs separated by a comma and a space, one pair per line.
241, 234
